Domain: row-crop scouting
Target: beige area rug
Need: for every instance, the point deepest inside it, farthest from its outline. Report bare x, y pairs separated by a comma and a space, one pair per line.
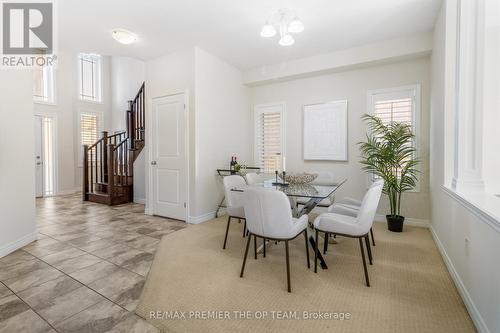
411, 290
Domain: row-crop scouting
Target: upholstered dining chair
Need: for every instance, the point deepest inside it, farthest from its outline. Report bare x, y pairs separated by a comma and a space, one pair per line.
324, 178
255, 178
234, 202
269, 217
349, 226
348, 206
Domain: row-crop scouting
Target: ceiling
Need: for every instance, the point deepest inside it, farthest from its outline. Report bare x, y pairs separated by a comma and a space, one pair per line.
230, 29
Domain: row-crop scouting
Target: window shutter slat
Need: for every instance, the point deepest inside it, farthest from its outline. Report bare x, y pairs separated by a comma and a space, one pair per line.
269, 140
88, 129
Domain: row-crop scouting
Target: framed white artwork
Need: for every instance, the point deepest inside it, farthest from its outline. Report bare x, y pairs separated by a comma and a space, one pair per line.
325, 131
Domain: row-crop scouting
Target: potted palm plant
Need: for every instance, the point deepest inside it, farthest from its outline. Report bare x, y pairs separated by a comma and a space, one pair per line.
389, 153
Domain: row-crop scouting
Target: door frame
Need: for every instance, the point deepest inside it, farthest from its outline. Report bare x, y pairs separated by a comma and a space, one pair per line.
52, 115
149, 135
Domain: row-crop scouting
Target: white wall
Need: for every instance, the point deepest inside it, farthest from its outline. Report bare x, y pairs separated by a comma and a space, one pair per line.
170, 74
104, 107
127, 76
17, 163
491, 106
353, 86
218, 112
223, 127
62, 110
386, 51
66, 110
469, 245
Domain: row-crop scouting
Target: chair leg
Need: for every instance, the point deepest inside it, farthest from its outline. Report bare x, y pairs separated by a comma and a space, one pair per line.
364, 262
264, 247
227, 230
368, 248
245, 257
316, 254
287, 267
325, 245
245, 228
373, 238
255, 246
307, 249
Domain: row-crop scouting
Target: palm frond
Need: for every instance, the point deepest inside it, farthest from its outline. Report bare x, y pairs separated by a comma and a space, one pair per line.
388, 153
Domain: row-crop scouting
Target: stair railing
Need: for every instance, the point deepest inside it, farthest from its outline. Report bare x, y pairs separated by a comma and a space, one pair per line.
136, 119
96, 161
108, 162
121, 163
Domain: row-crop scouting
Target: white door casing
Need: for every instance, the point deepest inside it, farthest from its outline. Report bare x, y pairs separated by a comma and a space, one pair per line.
168, 164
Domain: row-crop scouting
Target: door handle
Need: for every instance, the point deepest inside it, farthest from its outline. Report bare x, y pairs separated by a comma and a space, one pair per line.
153, 162
38, 163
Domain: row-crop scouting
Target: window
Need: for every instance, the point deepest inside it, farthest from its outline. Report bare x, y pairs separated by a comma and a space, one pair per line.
90, 77
401, 104
269, 137
43, 84
90, 125
89, 128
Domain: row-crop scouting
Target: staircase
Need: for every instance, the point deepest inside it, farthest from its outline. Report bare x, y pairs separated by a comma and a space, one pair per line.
108, 164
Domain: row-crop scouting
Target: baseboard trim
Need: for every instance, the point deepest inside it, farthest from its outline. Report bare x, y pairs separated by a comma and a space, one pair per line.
17, 244
469, 303
140, 201
70, 191
408, 221
201, 218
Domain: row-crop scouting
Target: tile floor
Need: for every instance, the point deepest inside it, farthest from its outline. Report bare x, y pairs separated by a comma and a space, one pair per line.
85, 272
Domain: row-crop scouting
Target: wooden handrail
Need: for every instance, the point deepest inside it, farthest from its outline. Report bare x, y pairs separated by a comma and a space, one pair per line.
108, 162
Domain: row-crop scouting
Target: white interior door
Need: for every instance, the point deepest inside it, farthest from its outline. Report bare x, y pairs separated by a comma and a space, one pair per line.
38, 157
169, 169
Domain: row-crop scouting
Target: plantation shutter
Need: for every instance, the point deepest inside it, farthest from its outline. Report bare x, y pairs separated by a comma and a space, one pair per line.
395, 110
269, 138
88, 128
397, 105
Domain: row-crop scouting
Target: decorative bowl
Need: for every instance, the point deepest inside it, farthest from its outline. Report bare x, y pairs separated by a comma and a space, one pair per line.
300, 177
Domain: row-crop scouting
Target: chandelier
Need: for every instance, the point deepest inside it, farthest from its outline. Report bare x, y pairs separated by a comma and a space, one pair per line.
287, 22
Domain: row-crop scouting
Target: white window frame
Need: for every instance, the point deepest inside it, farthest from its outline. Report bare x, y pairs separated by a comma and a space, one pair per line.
257, 113
399, 92
49, 81
97, 82
100, 126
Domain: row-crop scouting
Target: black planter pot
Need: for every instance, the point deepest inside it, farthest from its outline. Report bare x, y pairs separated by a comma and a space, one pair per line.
395, 223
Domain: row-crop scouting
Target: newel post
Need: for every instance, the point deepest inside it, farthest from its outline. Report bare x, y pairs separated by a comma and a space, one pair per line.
131, 124
85, 173
111, 170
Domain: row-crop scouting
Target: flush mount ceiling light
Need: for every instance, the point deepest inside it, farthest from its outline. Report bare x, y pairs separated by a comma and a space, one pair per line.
124, 36
287, 22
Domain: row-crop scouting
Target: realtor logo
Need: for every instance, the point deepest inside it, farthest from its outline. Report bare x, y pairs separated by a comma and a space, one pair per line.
27, 28
28, 34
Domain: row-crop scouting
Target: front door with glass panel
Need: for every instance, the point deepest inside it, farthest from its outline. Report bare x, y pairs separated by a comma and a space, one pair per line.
44, 156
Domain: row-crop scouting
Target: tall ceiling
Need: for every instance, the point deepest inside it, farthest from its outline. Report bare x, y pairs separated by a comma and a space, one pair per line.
230, 29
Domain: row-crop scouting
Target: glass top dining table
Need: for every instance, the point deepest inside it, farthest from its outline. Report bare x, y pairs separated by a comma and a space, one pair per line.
314, 192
